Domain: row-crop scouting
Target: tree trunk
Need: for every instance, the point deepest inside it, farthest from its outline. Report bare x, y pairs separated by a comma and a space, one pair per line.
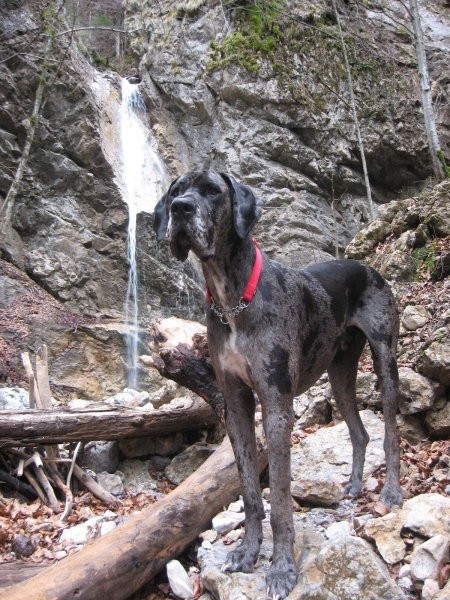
355, 113
122, 561
427, 101
33, 427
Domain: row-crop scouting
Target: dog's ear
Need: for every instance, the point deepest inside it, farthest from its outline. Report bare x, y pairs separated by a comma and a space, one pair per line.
161, 218
246, 208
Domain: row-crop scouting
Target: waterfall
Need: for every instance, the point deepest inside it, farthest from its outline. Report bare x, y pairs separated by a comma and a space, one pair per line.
143, 179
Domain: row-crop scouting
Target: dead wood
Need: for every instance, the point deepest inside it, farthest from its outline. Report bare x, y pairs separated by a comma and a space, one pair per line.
190, 366
122, 561
33, 427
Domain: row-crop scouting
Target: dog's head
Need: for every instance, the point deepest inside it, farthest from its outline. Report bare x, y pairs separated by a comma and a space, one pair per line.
201, 210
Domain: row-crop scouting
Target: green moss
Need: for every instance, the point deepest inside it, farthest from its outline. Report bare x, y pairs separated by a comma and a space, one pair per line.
256, 36
445, 165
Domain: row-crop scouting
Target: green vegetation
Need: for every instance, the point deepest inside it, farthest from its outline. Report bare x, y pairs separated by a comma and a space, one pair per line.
445, 165
257, 35
425, 259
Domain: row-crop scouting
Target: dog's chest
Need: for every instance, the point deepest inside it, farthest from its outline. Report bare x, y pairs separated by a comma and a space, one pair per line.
232, 359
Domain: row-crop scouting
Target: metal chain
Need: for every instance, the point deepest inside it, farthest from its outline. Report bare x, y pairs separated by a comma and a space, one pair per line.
225, 314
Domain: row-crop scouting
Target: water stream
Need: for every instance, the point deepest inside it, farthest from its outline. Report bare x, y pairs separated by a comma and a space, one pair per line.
143, 179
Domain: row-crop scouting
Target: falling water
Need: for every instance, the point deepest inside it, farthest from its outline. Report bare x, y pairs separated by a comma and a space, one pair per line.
143, 180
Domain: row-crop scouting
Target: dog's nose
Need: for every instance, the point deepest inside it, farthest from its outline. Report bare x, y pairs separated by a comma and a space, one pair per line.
183, 207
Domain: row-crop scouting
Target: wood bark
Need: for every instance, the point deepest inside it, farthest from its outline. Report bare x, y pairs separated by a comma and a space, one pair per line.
427, 101
33, 427
121, 562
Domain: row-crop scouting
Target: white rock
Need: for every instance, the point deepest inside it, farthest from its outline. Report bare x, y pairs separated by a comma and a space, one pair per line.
430, 589
226, 521
414, 317
339, 531
14, 398
179, 581
106, 527
237, 506
428, 559
81, 533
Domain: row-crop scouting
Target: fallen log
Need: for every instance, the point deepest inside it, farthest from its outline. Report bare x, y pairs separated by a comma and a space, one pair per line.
34, 427
121, 562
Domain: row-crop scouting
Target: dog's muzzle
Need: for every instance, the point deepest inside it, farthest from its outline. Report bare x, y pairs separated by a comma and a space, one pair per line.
182, 212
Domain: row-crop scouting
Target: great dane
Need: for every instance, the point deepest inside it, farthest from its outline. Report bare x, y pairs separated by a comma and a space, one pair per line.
276, 339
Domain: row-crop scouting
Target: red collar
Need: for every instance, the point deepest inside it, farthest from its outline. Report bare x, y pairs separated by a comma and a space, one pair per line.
252, 283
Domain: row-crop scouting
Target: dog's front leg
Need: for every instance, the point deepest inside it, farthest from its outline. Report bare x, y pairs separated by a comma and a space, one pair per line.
240, 422
278, 421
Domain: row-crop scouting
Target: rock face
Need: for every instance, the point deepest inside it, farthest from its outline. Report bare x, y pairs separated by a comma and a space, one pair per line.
267, 113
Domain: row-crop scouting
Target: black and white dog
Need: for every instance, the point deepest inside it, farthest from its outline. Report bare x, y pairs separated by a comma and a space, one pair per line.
274, 330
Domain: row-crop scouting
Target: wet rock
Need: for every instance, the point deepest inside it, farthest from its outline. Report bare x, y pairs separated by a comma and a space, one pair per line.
321, 463
101, 456
187, 462
414, 317
418, 393
144, 446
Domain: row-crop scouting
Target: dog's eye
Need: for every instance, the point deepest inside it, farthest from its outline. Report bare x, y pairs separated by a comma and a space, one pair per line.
211, 189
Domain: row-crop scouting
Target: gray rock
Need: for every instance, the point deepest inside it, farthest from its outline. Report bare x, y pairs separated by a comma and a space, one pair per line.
437, 420
15, 398
418, 393
136, 477
428, 558
101, 456
434, 361
112, 482
187, 462
226, 521
311, 408
342, 568
411, 428
321, 464
414, 317
144, 446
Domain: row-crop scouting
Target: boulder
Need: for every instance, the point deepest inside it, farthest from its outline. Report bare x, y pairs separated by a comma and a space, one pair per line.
428, 558
414, 317
434, 361
437, 420
187, 462
101, 456
322, 462
136, 477
145, 446
427, 515
418, 393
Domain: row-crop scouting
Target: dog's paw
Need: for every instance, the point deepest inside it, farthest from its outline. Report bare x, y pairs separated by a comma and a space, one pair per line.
242, 559
281, 582
352, 488
391, 496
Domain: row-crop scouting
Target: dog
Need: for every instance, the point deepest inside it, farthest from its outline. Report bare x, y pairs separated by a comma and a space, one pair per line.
273, 330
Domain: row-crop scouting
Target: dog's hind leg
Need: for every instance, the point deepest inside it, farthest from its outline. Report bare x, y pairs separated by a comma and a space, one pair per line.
385, 364
342, 374
240, 423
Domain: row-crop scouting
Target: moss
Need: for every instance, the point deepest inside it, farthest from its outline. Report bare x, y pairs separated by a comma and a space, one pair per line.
257, 36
